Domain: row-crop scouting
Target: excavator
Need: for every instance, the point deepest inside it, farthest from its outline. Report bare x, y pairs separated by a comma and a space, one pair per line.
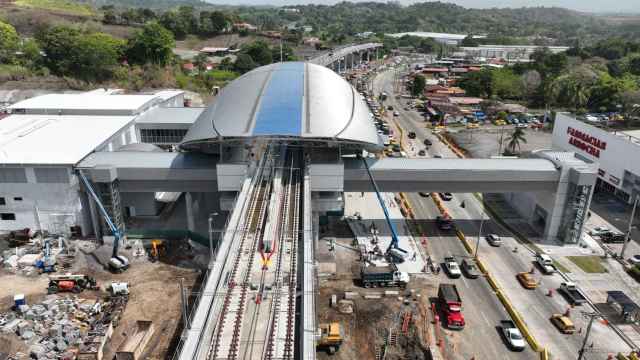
330, 337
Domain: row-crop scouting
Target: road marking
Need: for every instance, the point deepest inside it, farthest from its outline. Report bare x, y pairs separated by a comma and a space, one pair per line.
485, 318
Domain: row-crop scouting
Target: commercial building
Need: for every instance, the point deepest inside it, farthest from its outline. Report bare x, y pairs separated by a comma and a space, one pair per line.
615, 153
450, 39
46, 136
507, 52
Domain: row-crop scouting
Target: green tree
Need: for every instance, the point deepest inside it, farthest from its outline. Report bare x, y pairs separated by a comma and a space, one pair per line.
515, 139
9, 42
152, 44
469, 41
477, 83
172, 21
418, 85
244, 63
60, 44
506, 84
97, 56
573, 88
31, 56
259, 52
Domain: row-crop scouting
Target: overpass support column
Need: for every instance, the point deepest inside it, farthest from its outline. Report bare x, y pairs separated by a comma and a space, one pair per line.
189, 203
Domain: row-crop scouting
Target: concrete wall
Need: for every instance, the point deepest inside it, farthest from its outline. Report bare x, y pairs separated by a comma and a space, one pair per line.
48, 206
144, 203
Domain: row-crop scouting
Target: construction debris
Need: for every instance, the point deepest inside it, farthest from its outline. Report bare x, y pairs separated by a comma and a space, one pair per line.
59, 327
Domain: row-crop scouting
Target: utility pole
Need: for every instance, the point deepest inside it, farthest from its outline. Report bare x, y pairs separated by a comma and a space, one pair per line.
592, 316
628, 237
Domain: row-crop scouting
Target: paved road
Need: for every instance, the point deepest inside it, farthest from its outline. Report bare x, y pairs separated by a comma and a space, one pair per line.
534, 305
482, 310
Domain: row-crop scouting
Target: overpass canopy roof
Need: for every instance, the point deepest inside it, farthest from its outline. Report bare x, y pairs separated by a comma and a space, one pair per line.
290, 101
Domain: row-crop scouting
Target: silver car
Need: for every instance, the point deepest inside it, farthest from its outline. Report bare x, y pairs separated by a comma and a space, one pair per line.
494, 240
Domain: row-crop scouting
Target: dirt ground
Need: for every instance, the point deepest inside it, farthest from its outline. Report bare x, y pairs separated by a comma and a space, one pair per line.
484, 142
154, 295
367, 329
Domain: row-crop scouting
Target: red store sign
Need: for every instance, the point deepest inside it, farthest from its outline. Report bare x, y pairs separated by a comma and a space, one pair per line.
585, 142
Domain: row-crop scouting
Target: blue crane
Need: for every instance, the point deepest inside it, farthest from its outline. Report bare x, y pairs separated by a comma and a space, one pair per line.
117, 262
394, 233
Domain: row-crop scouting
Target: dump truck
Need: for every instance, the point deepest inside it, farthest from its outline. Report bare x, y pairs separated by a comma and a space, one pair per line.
546, 263
451, 304
383, 276
329, 337
512, 335
572, 293
68, 282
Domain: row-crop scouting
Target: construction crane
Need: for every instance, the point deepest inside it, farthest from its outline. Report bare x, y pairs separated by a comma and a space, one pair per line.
394, 233
117, 263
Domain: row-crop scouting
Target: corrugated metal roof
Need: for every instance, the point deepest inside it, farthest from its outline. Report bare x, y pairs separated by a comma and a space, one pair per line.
287, 100
170, 115
148, 160
86, 101
53, 139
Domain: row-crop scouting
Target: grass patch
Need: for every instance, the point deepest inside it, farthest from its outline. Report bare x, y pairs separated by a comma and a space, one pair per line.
561, 267
66, 6
589, 264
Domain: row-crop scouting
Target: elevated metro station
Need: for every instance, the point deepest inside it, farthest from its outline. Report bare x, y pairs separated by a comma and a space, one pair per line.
283, 142
277, 149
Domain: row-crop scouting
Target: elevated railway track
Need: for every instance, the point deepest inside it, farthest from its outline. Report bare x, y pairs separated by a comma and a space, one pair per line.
253, 311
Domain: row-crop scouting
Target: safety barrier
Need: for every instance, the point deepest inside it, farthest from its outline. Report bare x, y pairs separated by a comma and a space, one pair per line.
456, 150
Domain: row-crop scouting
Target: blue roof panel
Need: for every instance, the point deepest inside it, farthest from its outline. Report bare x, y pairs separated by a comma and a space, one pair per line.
280, 111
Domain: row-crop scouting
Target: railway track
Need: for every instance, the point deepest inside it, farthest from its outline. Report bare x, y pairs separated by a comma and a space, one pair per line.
264, 328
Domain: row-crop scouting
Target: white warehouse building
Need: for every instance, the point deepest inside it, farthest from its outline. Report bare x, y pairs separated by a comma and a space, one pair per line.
45, 137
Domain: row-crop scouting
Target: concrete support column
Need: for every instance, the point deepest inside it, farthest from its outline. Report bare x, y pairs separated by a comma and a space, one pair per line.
189, 202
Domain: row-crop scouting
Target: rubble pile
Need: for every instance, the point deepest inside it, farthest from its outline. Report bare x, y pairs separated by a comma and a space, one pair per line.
28, 258
63, 327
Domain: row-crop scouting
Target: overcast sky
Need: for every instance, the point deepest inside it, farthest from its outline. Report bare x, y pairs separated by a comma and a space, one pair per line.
582, 5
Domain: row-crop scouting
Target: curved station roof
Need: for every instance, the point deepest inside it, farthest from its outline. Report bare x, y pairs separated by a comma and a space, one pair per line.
290, 101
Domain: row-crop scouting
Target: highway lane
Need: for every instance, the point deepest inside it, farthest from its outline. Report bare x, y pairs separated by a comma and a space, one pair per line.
481, 308
535, 306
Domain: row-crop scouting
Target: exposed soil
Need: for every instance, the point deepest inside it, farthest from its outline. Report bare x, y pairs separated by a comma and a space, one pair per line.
154, 295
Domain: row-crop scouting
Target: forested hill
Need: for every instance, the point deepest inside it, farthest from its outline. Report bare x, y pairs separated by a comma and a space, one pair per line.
443, 17
347, 18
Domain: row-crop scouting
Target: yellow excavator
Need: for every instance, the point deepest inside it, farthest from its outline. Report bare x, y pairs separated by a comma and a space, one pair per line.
330, 337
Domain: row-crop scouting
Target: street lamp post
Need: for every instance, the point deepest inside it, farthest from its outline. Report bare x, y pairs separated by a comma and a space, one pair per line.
627, 238
211, 231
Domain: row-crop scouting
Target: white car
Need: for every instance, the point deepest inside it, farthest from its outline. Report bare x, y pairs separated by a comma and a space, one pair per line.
494, 240
452, 267
599, 230
635, 260
522, 125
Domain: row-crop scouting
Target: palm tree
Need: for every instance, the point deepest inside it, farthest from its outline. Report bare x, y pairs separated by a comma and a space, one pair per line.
514, 141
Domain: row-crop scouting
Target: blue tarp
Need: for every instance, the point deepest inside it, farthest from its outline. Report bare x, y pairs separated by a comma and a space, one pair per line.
280, 111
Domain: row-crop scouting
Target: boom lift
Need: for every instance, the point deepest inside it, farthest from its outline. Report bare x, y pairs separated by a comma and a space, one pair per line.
117, 263
394, 233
